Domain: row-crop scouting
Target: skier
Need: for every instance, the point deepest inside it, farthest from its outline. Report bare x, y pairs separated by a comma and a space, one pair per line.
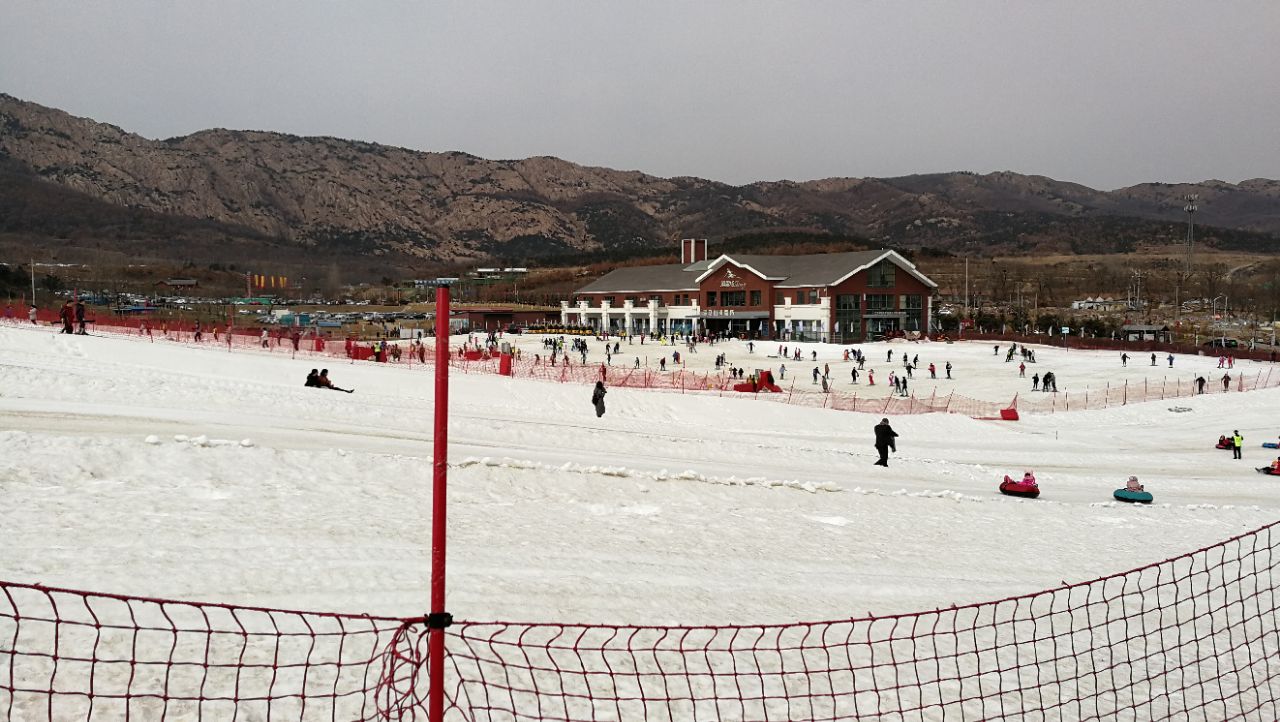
885, 441
948, 369
597, 398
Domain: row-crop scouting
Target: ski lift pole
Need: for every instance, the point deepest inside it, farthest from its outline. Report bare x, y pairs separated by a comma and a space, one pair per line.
438, 620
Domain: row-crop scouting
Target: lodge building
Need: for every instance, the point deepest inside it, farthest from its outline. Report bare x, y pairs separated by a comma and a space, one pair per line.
829, 297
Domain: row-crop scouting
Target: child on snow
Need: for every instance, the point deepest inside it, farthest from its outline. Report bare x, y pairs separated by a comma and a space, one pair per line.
1132, 484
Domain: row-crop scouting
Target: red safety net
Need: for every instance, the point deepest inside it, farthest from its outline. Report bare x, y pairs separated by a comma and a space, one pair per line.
1194, 637
842, 396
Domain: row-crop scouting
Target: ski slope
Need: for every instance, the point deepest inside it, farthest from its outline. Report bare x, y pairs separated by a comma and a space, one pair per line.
168, 470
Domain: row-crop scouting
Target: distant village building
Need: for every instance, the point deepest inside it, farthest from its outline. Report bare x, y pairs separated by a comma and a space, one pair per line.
1144, 332
179, 283
834, 297
1099, 304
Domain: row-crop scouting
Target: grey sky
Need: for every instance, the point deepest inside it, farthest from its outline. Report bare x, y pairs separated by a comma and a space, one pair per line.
1103, 93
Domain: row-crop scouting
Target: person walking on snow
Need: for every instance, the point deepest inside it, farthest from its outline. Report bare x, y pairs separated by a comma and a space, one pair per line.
1226, 382
1153, 359
948, 367
597, 398
1022, 371
1170, 360
1124, 359
885, 436
1035, 382
933, 371
815, 374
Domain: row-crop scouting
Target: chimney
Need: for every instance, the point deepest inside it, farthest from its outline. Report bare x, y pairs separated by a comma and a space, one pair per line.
693, 250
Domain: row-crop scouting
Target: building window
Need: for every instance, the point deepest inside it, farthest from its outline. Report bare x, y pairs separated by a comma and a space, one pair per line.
913, 302
881, 275
755, 298
633, 299
779, 298
847, 302
813, 295
711, 299
606, 299
880, 302
733, 298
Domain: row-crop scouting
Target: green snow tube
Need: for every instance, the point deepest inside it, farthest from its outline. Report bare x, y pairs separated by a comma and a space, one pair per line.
1133, 497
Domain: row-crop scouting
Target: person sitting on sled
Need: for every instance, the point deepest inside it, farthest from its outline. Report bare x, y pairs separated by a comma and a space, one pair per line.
1029, 479
1132, 484
1223, 443
1275, 467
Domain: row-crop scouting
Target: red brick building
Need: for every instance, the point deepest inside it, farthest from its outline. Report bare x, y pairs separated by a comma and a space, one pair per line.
835, 297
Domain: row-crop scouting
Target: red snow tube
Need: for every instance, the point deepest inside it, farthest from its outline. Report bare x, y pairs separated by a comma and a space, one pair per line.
1228, 446
1017, 488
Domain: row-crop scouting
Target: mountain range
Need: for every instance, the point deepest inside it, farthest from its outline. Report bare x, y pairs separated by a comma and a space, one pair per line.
72, 182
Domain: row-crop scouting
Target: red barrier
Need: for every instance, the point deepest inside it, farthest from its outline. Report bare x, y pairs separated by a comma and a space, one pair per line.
1193, 637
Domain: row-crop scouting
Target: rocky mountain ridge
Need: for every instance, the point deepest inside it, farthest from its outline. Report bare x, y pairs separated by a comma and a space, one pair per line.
345, 197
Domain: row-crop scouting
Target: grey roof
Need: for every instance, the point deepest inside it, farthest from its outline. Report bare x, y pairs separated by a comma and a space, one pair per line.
668, 277
1143, 327
820, 269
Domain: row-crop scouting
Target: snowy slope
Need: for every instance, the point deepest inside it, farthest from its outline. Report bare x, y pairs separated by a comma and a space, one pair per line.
671, 509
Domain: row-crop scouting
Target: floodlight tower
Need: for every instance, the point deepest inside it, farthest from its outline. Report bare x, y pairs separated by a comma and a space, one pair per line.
1191, 209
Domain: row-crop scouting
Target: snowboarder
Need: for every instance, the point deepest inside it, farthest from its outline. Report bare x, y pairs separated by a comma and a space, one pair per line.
885, 441
597, 398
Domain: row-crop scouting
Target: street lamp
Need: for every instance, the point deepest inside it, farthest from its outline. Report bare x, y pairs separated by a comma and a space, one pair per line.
1213, 306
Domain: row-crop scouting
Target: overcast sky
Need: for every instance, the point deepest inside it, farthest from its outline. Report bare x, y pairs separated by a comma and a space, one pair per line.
1103, 93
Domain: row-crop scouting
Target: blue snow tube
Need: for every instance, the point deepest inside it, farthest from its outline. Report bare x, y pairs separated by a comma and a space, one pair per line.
1133, 497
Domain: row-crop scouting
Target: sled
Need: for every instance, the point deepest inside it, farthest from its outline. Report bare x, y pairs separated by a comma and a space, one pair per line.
1268, 471
1133, 497
1228, 447
1017, 488
1270, 445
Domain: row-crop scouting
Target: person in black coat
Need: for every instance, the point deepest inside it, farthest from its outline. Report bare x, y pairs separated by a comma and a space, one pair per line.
597, 398
884, 441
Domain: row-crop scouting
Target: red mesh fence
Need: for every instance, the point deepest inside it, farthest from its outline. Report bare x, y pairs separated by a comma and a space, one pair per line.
469, 361
1194, 637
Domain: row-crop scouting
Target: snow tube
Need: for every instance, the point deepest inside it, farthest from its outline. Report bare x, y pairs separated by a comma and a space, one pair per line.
1268, 471
1270, 445
1017, 488
1228, 447
1133, 497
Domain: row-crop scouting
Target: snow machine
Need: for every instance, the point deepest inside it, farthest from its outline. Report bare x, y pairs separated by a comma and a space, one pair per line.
1133, 497
1017, 488
1268, 471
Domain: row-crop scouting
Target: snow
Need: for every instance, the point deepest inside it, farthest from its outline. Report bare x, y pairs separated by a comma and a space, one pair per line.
167, 470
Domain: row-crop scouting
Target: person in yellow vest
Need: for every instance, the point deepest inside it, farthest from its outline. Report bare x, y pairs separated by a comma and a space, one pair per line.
1237, 441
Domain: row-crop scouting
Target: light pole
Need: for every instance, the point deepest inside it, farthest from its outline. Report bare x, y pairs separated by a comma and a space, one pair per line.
1213, 311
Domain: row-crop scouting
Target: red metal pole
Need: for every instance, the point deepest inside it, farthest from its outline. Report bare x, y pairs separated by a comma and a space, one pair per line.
440, 457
